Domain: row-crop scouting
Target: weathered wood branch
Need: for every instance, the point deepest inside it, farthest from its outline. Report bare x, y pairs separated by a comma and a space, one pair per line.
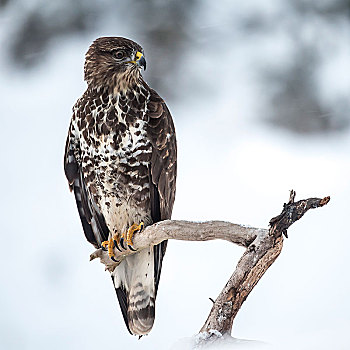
186, 231
258, 257
263, 248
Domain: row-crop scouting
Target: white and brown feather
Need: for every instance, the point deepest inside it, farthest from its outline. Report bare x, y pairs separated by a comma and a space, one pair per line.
121, 163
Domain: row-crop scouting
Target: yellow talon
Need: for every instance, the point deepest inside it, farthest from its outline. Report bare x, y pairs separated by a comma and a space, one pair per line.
110, 245
125, 237
130, 233
104, 244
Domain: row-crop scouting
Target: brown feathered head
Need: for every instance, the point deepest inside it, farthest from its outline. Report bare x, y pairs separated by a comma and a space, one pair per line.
113, 62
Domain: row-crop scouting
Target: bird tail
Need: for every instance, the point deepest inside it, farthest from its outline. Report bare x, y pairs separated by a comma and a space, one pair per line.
134, 283
140, 310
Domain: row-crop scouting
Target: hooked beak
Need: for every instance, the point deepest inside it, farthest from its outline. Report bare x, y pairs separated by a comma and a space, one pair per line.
140, 60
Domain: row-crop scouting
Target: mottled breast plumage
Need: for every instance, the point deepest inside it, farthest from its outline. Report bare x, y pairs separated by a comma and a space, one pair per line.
115, 152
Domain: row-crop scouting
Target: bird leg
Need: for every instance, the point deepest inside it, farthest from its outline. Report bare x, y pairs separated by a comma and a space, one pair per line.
127, 236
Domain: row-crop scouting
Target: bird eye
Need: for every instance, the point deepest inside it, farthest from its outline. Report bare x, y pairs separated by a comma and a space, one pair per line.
118, 54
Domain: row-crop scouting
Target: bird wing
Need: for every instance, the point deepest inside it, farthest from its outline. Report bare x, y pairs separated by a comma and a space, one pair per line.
162, 171
94, 225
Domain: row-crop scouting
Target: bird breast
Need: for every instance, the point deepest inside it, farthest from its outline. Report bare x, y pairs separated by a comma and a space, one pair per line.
116, 154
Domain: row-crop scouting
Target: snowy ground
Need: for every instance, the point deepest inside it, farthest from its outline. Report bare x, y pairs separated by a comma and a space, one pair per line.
231, 167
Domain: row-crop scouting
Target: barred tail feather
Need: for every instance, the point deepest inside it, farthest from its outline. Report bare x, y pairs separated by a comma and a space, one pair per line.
135, 286
140, 310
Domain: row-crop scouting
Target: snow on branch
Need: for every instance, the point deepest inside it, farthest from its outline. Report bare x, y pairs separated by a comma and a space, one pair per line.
263, 248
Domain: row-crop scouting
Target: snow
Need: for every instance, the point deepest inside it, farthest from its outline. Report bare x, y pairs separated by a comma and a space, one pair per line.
231, 167
222, 342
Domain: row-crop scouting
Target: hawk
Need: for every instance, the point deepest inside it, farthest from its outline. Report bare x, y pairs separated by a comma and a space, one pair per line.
120, 162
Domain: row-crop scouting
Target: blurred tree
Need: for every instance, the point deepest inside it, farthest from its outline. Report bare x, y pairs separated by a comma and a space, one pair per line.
162, 26
295, 102
43, 24
172, 31
3, 3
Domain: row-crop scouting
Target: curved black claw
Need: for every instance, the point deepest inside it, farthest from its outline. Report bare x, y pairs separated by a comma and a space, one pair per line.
116, 245
131, 248
122, 243
112, 257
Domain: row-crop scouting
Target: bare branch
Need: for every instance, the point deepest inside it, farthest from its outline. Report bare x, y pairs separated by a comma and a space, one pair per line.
263, 248
183, 230
259, 256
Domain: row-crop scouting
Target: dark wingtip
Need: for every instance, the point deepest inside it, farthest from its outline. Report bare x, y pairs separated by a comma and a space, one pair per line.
122, 298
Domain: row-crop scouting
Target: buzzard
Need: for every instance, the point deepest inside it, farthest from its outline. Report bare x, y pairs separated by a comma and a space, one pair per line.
120, 162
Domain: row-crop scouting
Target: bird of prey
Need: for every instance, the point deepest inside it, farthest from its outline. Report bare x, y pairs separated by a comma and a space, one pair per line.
120, 162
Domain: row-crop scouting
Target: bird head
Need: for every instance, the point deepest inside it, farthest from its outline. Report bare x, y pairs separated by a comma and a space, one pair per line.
113, 62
